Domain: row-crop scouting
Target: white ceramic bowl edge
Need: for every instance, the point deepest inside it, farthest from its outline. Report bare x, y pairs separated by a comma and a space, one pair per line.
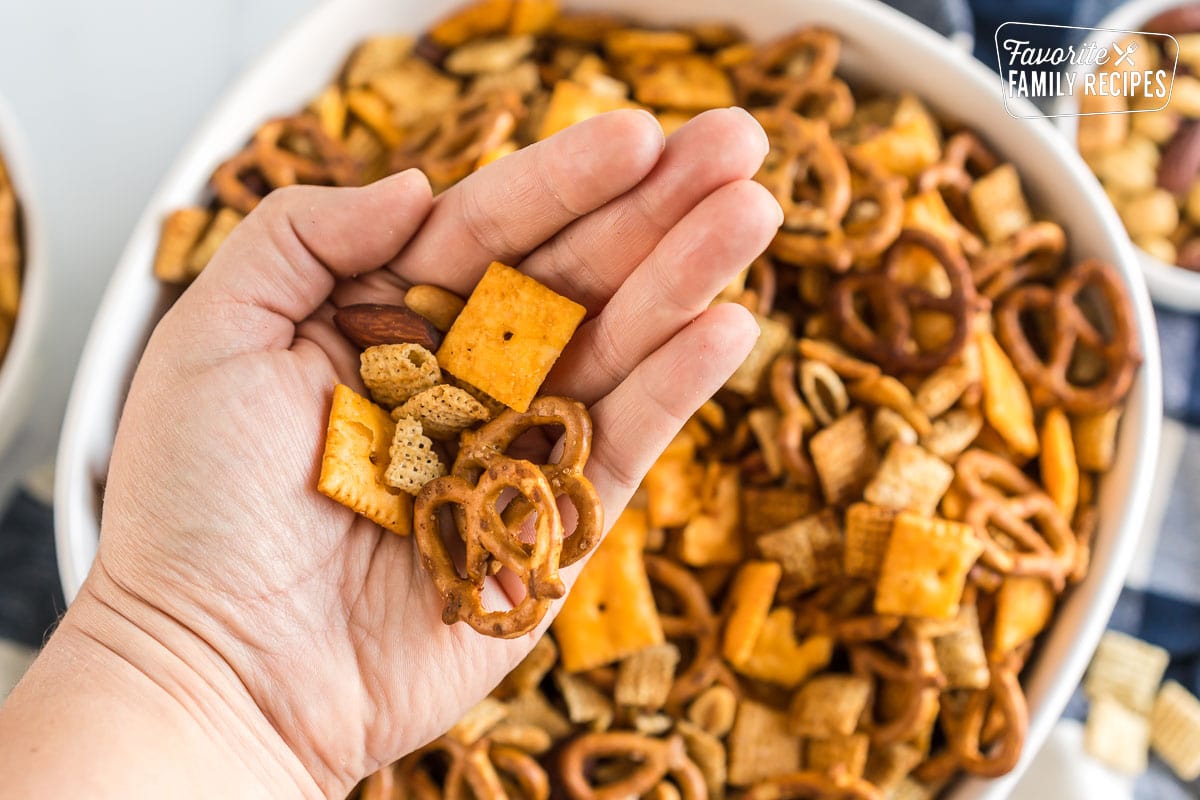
882, 47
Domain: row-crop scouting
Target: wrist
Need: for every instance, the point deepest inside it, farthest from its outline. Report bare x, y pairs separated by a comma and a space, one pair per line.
123, 683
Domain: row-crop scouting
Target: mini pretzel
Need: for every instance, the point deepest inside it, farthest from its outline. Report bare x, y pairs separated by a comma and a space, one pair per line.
784, 70
965, 729
981, 474
694, 620
489, 540
761, 283
655, 759
855, 241
327, 162
826, 612
796, 417
1049, 554
803, 153
917, 670
449, 147
473, 771
1032, 253
963, 157
893, 305
479, 448
813, 786
239, 183
1069, 326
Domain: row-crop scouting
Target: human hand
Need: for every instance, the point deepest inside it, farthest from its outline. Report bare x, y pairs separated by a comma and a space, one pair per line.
214, 540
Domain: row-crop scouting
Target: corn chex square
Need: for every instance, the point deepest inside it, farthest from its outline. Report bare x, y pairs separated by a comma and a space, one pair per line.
1126, 669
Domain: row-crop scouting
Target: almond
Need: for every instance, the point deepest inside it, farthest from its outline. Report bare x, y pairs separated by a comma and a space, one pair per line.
1180, 163
370, 324
1181, 19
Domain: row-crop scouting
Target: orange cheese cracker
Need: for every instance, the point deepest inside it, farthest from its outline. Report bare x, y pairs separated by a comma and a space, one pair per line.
509, 335
356, 458
610, 613
925, 567
573, 102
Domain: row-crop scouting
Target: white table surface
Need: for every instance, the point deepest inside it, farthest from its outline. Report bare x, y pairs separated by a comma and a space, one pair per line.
107, 94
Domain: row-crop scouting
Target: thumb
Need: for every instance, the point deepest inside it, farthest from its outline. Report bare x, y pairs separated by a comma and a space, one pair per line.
281, 263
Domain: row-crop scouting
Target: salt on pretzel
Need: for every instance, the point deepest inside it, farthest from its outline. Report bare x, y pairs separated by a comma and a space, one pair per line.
1069, 327
565, 475
490, 540
894, 304
656, 759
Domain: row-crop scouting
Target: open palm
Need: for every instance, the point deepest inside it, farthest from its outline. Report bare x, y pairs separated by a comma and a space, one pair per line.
211, 519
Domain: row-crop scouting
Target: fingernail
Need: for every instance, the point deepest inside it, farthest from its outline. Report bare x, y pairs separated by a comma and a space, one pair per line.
765, 142
653, 119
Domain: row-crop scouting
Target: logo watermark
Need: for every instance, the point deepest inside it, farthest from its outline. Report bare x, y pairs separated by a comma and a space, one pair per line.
1102, 63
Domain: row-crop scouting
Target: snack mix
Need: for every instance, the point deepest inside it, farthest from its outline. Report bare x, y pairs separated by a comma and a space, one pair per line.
1149, 161
10, 257
830, 583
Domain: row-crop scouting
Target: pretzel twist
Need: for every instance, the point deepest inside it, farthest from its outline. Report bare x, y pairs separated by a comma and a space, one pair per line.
813, 786
472, 771
893, 306
784, 71
916, 671
966, 729
479, 448
859, 238
285, 151
1069, 326
1032, 253
448, 147
694, 620
489, 540
655, 759
1045, 551
805, 171
796, 416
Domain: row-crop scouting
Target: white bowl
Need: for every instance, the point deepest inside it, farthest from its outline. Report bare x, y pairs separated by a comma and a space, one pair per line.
1170, 285
19, 369
881, 46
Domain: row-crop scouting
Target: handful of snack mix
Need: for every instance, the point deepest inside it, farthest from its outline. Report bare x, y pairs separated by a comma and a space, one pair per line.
498, 346
831, 581
1149, 161
10, 257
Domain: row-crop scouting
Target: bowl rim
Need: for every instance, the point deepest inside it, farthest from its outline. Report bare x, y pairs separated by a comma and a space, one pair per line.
76, 514
18, 372
1170, 285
